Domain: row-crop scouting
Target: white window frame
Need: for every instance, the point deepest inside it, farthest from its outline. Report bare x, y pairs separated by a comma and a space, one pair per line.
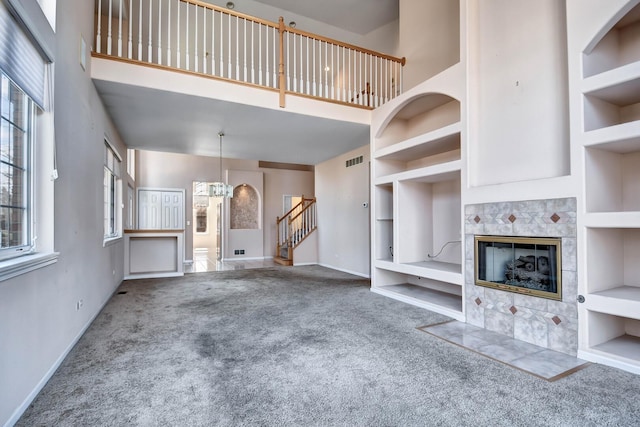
26, 245
112, 195
131, 163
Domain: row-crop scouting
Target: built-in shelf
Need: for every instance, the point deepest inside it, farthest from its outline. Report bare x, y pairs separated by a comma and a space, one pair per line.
428, 144
612, 219
620, 86
625, 349
622, 301
430, 174
435, 270
611, 181
430, 299
624, 138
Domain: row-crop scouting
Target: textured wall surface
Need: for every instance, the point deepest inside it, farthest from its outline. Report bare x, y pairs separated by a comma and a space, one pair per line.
245, 208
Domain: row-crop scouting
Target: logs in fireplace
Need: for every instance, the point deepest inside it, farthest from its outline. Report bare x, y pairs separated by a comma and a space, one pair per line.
527, 265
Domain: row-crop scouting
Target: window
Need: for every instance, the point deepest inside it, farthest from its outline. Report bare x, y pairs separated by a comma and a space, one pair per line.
112, 194
17, 113
131, 163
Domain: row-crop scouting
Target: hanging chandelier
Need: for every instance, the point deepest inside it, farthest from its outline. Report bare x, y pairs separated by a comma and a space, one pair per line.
220, 189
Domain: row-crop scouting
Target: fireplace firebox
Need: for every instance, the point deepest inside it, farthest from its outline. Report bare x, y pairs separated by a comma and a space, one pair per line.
525, 265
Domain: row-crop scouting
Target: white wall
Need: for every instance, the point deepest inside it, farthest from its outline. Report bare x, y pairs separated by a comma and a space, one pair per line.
429, 38
519, 128
343, 222
170, 170
38, 317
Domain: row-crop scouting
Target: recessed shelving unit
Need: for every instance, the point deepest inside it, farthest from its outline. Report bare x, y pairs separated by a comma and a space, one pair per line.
610, 89
416, 171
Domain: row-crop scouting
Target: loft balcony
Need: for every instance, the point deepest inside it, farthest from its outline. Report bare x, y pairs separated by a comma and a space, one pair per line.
192, 64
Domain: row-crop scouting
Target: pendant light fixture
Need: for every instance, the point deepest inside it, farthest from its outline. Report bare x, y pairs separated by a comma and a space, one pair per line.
220, 189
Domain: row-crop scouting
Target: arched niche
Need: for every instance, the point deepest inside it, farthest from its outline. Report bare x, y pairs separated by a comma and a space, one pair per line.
419, 115
244, 208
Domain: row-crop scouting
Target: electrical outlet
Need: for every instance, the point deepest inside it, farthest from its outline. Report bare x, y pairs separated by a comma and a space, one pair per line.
241, 251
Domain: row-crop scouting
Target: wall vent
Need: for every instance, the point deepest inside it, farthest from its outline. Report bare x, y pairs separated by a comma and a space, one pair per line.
354, 161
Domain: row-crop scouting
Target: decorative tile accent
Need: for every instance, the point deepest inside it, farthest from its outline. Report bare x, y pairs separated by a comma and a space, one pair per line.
546, 323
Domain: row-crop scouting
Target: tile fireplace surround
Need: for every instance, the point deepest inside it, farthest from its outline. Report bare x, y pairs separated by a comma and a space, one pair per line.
543, 322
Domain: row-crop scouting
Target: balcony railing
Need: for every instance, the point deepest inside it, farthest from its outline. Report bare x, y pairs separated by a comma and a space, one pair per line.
208, 40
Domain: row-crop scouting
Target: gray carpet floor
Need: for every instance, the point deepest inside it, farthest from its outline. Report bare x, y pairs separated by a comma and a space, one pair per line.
300, 346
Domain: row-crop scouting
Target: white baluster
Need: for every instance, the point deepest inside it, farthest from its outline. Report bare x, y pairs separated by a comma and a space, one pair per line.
169, 33
253, 73
275, 69
308, 91
195, 42
288, 64
295, 64
260, 54
120, 31
314, 66
301, 67
149, 47
266, 59
332, 94
344, 74
109, 28
244, 51
221, 48
187, 54
99, 30
237, 48
160, 33
213, 44
326, 72
140, 31
130, 36
178, 55
229, 47
204, 40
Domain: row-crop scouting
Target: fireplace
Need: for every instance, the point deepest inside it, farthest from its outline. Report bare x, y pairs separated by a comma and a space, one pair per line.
525, 265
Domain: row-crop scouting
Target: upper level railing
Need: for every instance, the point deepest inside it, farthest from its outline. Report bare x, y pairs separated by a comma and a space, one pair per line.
205, 39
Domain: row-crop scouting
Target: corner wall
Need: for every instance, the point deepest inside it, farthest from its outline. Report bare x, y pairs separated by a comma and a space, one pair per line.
343, 220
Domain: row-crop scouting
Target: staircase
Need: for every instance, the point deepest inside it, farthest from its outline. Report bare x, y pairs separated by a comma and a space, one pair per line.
293, 227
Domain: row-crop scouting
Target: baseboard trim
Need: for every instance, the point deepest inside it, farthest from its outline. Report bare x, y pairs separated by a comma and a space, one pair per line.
15, 417
355, 273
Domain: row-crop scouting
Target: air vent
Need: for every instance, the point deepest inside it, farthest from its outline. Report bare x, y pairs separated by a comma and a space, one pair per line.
354, 161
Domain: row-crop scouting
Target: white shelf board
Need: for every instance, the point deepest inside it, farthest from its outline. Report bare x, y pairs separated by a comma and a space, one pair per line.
612, 220
441, 140
435, 173
622, 352
622, 138
623, 301
436, 301
620, 86
434, 270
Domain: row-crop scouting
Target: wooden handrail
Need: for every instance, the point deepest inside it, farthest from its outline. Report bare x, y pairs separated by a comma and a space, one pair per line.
402, 60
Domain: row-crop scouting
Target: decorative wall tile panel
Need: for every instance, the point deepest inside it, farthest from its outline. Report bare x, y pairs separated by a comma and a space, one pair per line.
533, 320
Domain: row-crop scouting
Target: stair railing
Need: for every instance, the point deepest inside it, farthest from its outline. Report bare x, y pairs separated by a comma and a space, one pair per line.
295, 225
197, 37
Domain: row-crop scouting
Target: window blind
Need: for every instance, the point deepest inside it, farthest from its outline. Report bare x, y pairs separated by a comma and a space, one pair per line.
19, 58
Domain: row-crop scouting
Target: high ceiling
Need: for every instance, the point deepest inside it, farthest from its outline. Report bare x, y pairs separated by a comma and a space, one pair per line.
357, 16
